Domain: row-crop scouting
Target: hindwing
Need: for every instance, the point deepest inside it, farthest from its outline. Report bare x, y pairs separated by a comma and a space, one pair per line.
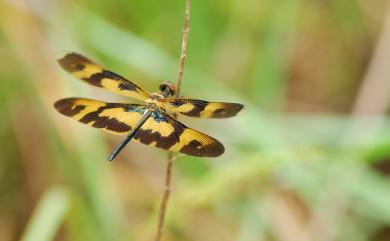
162, 131
116, 118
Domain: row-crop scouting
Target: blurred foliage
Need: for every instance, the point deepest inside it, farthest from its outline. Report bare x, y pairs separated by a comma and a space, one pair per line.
301, 162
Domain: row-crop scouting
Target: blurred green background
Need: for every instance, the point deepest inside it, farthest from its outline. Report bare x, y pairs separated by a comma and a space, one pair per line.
308, 158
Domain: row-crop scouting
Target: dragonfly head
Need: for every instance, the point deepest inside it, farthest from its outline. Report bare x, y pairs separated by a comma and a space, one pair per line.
167, 89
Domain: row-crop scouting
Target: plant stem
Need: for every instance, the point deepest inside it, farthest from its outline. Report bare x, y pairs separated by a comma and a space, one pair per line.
168, 174
183, 54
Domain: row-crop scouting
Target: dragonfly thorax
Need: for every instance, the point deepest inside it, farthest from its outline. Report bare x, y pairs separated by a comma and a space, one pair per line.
153, 102
167, 89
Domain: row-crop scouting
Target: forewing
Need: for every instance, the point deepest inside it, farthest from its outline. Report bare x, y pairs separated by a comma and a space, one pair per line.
92, 73
162, 131
113, 117
200, 108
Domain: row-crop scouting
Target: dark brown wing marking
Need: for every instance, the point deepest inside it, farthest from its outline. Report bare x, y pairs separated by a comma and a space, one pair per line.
84, 69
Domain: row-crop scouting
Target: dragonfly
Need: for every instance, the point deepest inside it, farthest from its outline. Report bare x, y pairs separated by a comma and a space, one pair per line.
151, 122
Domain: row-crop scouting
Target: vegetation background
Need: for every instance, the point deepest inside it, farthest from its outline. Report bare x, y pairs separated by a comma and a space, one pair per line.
308, 158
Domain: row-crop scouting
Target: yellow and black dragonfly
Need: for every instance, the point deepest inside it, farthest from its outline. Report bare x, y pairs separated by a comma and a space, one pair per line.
149, 123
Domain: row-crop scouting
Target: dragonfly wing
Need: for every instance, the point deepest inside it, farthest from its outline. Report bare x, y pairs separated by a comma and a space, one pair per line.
200, 108
162, 131
86, 70
116, 118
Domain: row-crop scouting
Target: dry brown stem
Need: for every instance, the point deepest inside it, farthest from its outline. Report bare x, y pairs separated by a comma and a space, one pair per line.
170, 158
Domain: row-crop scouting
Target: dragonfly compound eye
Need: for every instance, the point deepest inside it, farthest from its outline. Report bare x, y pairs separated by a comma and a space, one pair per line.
167, 89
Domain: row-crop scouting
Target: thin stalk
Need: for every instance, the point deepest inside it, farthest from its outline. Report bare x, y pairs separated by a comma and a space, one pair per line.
168, 174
